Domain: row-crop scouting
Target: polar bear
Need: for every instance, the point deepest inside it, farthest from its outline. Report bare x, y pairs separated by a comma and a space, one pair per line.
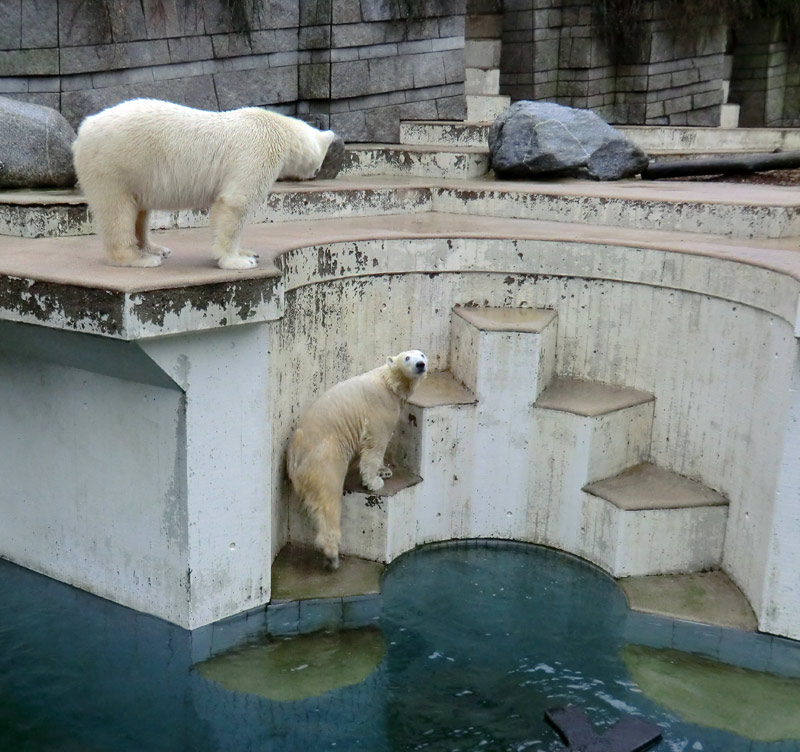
145, 154
355, 418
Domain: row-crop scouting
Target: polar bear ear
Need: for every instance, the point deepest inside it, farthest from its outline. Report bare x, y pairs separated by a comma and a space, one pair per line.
390, 360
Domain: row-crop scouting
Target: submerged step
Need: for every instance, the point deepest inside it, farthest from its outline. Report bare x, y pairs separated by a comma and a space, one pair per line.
705, 597
647, 486
307, 597
589, 398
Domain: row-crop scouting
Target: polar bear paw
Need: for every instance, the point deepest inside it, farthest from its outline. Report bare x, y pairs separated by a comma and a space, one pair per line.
373, 484
144, 260
385, 472
158, 250
237, 262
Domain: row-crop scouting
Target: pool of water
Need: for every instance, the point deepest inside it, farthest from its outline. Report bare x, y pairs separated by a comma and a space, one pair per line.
473, 644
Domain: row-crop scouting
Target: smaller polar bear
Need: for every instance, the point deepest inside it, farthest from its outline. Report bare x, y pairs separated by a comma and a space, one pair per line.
145, 154
355, 418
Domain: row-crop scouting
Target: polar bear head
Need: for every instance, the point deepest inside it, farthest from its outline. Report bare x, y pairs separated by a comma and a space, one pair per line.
405, 370
307, 147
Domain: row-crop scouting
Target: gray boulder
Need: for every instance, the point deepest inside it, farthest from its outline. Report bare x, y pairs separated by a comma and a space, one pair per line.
35, 146
533, 139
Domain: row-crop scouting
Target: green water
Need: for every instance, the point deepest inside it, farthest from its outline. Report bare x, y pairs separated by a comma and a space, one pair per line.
473, 645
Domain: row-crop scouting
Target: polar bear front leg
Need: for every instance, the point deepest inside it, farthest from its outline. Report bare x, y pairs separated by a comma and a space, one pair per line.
228, 216
371, 463
143, 240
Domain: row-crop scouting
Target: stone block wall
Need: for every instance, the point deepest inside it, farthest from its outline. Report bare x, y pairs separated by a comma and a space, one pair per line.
357, 67
765, 79
556, 50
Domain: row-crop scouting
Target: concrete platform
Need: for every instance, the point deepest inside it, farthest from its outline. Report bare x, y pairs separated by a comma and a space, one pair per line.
487, 319
705, 597
441, 388
649, 487
589, 398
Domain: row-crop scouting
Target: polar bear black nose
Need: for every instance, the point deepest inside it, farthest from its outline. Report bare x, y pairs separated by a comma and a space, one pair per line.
420, 366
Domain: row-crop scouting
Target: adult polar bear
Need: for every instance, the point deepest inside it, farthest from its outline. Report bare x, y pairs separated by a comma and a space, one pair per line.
355, 418
145, 154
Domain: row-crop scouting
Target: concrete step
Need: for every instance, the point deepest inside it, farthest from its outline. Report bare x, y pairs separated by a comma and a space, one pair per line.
647, 207
506, 356
434, 437
699, 140
415, 160
483, 107
306, 597
59, 213
445, 133
584, 431
650, 520
376, 526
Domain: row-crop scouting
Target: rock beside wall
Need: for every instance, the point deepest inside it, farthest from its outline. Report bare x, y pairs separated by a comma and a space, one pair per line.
532, 139
35, 150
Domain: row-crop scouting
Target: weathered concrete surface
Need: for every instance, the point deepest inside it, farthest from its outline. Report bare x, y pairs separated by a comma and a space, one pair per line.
705, 597
710, 208
157, 491
419, 161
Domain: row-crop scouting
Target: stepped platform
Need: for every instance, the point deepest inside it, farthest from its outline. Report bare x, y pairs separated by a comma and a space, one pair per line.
689, 291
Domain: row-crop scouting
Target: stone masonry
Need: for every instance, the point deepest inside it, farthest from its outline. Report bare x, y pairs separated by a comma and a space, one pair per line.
357, 67
556, 50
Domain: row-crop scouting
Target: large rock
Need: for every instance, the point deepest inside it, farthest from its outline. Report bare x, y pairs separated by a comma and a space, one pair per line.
34, 146
533, 139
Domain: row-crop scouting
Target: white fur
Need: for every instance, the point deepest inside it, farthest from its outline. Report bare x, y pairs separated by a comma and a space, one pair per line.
353, 419
146, 154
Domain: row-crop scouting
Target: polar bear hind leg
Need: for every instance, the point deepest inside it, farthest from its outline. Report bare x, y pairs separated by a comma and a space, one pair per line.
143, 239
116, 215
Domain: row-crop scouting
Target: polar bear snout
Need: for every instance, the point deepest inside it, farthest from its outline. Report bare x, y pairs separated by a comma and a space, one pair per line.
420, 366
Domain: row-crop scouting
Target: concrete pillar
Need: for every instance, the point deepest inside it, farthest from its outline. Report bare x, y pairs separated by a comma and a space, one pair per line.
140, 471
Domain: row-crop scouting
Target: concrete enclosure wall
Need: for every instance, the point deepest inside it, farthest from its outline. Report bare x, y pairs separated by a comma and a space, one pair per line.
720, 370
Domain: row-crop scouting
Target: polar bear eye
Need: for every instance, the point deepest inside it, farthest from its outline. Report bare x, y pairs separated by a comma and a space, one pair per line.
408, 357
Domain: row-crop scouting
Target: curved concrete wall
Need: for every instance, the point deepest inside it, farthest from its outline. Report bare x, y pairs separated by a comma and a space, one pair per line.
712, 339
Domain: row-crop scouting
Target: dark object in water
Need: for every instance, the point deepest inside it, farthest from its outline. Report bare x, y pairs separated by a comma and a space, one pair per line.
630, 734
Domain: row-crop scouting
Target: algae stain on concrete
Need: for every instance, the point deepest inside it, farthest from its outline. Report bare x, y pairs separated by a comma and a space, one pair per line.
752, 704
294, 668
